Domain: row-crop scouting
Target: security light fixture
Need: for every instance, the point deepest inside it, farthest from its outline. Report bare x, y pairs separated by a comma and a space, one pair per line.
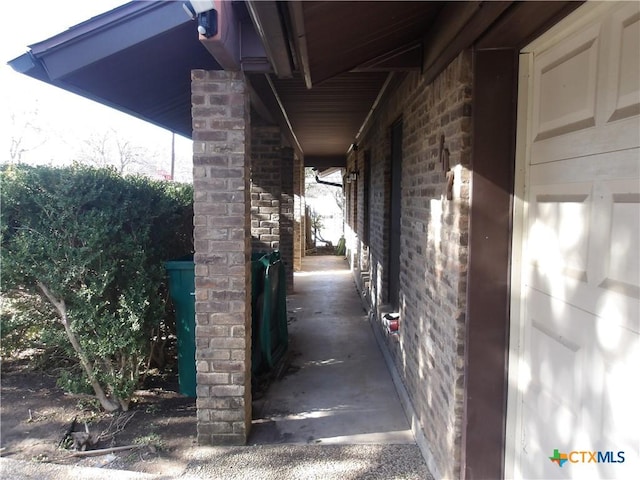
204, 12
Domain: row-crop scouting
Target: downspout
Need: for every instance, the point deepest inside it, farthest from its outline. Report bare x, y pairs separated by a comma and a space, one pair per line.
331, 184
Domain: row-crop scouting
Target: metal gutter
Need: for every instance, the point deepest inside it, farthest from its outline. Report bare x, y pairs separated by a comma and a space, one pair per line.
103, 36
266, 20
115, 57
300, 39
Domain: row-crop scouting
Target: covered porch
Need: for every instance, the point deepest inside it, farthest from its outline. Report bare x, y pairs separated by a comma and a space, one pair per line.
416, 103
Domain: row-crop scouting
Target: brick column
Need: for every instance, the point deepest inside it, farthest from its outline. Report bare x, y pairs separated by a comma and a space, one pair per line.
272, 195
286, 213
220, 113
265, 188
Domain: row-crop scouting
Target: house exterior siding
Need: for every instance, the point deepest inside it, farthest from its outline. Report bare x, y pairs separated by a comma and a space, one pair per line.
428, 350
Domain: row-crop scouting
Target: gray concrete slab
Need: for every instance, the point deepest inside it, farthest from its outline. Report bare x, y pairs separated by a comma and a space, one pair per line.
343, 392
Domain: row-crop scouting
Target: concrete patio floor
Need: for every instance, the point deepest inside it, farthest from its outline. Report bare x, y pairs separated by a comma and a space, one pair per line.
343, 392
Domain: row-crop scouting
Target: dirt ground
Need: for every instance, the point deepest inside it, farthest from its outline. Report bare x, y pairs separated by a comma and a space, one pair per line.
35, 414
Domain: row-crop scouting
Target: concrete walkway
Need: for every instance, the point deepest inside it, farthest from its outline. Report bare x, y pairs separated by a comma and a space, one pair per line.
337, 417
343, 392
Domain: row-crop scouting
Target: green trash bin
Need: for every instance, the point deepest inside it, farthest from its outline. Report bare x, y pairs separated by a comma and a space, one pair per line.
269, 335
182, 291
269, 332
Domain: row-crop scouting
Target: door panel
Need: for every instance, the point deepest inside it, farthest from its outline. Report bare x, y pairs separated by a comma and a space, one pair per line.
580, 267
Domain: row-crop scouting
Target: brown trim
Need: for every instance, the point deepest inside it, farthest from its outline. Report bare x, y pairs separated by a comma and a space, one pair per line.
519, 26
458, 26
495, 87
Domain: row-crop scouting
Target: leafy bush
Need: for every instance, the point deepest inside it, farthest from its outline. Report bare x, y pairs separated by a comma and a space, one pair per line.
92, 244
25, 318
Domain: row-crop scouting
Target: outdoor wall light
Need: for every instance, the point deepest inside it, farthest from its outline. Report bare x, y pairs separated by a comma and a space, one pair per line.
204, 12
353, 176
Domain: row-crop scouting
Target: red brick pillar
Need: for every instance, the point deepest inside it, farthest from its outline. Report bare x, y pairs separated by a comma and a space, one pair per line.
221, 166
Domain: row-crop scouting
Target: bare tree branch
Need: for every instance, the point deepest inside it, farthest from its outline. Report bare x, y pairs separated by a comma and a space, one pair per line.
61, 308
26, 135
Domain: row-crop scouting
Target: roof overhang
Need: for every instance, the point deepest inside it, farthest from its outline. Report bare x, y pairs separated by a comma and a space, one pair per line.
136, 58
318, 69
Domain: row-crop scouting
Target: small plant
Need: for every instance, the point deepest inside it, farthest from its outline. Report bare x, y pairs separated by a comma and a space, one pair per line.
73, 383
152, 440
152, 409
88, 404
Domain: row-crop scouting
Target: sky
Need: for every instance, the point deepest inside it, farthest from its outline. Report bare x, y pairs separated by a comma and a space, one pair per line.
65, 121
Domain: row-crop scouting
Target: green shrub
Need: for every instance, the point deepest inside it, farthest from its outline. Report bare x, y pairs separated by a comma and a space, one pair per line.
93, 243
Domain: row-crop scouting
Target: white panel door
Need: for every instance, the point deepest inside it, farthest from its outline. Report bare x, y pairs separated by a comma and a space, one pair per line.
575, 352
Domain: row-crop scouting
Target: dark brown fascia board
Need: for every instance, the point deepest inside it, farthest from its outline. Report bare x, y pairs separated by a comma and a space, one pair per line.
523, 22
457, 27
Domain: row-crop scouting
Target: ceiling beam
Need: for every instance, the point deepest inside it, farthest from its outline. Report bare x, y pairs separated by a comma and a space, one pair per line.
457, 27
523, 21
266, 20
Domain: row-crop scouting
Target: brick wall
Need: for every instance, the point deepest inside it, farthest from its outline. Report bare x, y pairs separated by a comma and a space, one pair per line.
272, 196
287, 213
220, 112
358, 216
265, 188
429, 349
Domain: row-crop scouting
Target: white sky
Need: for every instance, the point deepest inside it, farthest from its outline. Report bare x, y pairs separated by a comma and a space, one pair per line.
66, 119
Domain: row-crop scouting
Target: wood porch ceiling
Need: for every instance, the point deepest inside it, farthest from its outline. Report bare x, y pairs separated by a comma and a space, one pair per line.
344, 51
343, 36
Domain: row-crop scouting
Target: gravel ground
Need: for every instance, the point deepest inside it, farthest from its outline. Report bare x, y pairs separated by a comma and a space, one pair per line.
270, 462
